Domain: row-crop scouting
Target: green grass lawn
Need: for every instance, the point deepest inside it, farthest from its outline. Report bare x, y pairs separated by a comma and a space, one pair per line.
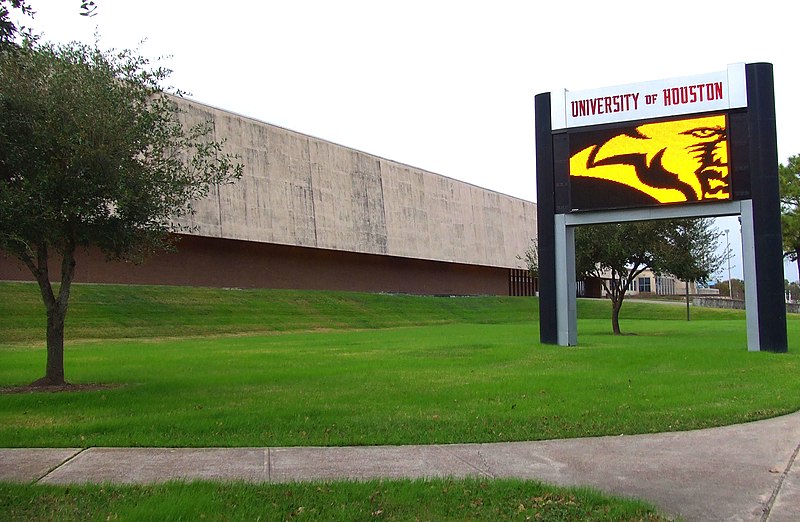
440, 500
356, 369
207, 367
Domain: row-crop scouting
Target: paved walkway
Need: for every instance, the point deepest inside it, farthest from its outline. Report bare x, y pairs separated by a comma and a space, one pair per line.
743, 472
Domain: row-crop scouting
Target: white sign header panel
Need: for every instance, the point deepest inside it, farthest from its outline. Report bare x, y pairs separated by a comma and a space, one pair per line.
654, 99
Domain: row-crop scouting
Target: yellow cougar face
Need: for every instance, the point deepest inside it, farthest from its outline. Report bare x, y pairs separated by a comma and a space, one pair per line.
672, 161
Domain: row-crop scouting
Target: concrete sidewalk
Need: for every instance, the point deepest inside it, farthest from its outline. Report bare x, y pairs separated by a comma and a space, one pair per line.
743, 472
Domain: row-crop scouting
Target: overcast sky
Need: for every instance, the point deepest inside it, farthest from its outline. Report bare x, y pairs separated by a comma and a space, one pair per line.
446, 86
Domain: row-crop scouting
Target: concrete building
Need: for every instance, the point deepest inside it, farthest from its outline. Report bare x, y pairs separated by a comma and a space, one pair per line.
311, 214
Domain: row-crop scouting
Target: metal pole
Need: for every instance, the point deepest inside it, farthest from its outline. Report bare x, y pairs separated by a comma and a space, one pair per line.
728, 255
688, 316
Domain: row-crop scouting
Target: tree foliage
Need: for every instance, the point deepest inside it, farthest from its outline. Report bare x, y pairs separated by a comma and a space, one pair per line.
92, 152
792, 290
531, 258
789, 182
733, 288
690, 250
618, 253
88, 8
8, 29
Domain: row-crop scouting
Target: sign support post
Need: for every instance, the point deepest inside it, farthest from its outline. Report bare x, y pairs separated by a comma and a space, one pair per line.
566, 288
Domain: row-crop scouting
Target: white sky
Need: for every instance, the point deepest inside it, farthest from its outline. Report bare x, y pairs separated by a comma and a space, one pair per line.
446, 86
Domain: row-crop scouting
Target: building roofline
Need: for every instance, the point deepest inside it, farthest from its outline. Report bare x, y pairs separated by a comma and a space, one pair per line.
258, 120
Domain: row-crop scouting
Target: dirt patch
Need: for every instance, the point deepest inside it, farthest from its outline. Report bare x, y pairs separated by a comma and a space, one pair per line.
32, 388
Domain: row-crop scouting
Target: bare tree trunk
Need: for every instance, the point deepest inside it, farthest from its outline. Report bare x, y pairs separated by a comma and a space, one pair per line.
56, 307
54, 369
615, 306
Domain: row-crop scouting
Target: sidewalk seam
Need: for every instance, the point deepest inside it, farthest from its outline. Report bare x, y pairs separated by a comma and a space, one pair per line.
57, 466
777, 490
485, 473
269, 464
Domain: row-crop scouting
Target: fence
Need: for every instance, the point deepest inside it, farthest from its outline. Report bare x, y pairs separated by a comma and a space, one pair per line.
736, 304
520, 282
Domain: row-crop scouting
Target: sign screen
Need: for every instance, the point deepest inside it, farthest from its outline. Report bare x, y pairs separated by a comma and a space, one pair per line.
679, 160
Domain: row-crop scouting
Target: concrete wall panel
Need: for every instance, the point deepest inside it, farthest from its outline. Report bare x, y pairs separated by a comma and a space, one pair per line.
298, 190
348, 199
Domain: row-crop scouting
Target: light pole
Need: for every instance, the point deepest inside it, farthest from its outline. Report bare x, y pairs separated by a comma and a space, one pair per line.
728, 255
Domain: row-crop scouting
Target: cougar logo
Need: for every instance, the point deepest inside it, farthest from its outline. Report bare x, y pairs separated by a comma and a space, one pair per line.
669, 162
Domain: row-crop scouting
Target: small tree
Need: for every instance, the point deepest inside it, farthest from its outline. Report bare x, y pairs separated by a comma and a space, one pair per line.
615, 254
531, 258
618, 253
92, 152
734, 288
792, 290
789, 180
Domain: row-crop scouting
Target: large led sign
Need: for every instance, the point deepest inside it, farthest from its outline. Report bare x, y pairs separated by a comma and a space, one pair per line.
672, 161
652, 143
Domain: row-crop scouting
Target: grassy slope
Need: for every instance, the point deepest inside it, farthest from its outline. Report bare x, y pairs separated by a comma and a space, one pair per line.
472, 372
117, 312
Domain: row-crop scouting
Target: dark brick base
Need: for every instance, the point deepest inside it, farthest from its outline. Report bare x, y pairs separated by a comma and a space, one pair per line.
202, 261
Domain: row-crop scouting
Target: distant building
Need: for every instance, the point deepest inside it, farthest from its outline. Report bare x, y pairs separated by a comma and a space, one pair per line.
311, 214
649, 283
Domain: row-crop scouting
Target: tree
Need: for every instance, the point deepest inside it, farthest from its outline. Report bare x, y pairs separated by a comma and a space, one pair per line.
733, 289
9, 30
792, 291
789, 182
531, 258
88, 8
92, 152
615, 254
618, 253
688, 252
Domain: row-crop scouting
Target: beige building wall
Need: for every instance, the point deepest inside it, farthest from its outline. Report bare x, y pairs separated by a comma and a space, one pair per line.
298, 190
663, 284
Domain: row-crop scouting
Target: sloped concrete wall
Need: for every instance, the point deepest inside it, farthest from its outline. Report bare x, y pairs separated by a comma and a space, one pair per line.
298, 190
